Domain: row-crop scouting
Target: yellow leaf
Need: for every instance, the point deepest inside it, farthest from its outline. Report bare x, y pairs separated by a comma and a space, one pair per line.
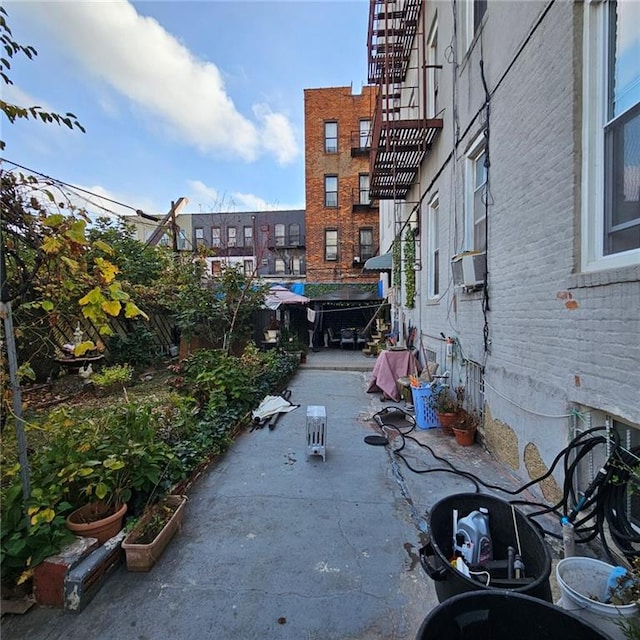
112, 307
32, 510
93, 297
51, 245
72, 264
107, 270
131, 311
47, 305
25, 575
103, 246
83, 347
116, 292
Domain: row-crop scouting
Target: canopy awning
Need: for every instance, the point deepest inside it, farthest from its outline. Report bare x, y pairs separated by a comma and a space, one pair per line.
281, 295
379, 263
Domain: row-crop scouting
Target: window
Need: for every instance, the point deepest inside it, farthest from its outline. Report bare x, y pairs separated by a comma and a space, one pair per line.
331, 137
331, 244
279, 266
331, 191
279, 235
216, 267
611, 132
472, 13
365, 134
432, 72
247, 234
294, 235
364, 188
199, 234
433, 248
215, 236
295, 266
248, 267
231, 236
476, 180
366, 244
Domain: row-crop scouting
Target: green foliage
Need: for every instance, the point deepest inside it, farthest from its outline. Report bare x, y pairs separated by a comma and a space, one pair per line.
397, 262
136, 348
25, 541
133, 452
409, 271
115, 240
118, 374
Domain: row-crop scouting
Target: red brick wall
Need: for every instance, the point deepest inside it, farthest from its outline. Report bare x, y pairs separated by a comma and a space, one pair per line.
321, 105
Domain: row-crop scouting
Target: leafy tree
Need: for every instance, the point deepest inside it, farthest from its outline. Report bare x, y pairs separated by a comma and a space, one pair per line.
13, 111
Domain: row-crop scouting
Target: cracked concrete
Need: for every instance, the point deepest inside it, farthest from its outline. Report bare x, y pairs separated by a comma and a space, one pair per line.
278, 544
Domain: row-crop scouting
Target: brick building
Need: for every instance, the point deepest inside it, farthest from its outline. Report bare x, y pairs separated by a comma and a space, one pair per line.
341, 219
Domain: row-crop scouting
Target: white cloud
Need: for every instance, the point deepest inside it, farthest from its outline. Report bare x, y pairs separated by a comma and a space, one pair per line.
204, 199
137, 57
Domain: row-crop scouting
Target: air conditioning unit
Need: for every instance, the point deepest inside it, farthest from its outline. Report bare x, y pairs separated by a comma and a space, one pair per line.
469, 269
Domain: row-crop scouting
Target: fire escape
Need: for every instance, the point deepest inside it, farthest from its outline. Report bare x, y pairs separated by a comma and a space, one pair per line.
402, 132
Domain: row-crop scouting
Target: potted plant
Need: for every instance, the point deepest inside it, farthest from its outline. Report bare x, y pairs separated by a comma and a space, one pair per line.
447, 404
110, 458
464, 429
152, 532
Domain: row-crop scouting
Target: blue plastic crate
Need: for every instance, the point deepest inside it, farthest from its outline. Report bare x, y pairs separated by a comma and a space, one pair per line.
426, 417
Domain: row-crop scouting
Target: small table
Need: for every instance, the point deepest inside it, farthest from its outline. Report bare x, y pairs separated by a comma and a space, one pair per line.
392, 364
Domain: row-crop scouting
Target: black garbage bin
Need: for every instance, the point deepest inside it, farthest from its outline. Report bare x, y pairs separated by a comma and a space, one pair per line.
503, 615
436, 555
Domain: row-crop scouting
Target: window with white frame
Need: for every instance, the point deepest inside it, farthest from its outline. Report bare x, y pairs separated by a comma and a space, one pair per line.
365, 133
232, 236
472, 13
295, 266
279, 236
199, 234
248, 267
363, 180
331, 191
215, 236
476, 195
433, 248
279, 266
331, 245
432, 72
331, 137
611, 133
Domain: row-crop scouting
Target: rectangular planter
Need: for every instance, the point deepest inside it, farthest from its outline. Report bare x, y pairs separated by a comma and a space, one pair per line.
142, 557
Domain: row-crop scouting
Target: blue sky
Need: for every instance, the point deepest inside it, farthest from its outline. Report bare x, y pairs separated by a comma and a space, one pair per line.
203, 99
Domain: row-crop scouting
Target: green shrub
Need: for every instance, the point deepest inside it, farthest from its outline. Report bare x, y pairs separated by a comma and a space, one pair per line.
137, 348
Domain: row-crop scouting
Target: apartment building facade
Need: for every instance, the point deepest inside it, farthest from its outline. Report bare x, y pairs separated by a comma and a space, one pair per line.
506, 157
341, 218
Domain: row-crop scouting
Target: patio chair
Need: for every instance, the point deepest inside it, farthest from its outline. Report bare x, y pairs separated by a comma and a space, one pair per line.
362, 337
347, 336
332, 337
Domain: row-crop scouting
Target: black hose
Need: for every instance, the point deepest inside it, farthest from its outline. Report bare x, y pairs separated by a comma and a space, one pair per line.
601, 512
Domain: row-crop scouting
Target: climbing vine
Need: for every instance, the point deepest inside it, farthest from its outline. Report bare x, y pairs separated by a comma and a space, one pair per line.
409, 263
397, 262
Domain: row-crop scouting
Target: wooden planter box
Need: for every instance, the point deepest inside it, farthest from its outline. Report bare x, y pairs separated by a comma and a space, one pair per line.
142, 557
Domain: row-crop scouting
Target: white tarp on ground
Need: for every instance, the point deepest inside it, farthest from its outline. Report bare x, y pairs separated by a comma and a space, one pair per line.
272, 405
281, 295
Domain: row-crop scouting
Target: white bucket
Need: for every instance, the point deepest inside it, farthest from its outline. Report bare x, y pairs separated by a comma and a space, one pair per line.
580, 580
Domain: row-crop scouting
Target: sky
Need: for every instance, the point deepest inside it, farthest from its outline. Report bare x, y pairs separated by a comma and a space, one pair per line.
198, 99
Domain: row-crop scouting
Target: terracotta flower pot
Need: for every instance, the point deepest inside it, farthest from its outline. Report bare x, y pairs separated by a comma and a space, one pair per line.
143, 556
447, 420
97, 520
464, 437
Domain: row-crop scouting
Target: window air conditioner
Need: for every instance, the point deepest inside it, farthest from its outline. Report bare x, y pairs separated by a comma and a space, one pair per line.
469, 269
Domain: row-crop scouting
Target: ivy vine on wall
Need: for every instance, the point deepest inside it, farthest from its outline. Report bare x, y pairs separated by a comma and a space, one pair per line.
397, 263
409, 263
